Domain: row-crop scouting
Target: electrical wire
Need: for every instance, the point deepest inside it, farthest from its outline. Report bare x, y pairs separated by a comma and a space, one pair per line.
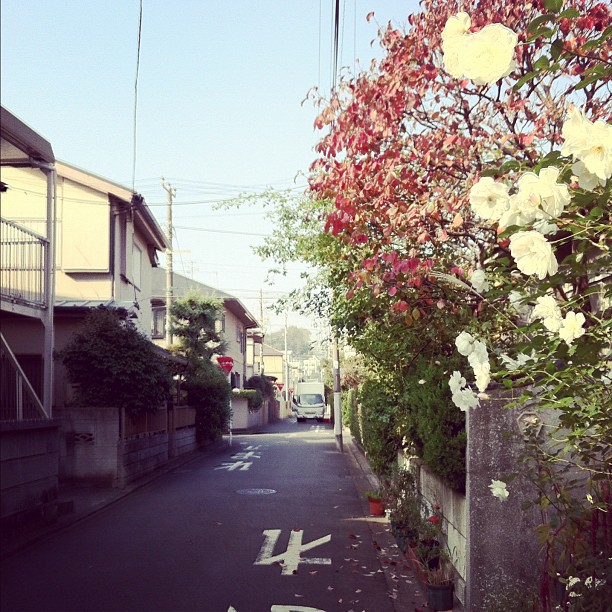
136, 97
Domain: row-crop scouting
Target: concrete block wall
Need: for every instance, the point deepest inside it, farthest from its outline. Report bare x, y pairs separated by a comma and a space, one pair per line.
88, 452
185, 441
141, 456
29, 466
453, 506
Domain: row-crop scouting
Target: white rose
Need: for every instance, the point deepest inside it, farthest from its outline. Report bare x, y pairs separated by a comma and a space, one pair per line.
482, 372
456, 382
499, 490
489, 199
464, 343
488, 54
589, 142
586, 180
479, 281
485, 56
533, 254
517, 301
465, 399
547, 195
571, 327
453, 40
546, 308
522, 210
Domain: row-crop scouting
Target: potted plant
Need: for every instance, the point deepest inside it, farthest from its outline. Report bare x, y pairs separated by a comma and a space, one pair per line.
404, 506
440, 584
377, 507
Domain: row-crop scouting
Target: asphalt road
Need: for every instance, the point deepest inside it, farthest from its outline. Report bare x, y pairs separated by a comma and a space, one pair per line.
273, 523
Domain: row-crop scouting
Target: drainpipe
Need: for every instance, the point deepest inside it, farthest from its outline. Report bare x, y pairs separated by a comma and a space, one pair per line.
49, 273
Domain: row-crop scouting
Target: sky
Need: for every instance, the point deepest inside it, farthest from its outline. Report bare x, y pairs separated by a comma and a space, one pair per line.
213, 102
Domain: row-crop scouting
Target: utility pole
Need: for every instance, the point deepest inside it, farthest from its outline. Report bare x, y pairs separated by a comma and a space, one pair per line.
169, 272
337, 393
286, 368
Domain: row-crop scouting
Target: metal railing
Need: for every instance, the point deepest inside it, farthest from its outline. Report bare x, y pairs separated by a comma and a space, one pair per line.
18, 400
22, 271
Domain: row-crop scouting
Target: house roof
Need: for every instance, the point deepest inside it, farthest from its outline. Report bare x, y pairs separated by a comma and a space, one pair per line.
143, 217
20, 144
270, 351
182, 285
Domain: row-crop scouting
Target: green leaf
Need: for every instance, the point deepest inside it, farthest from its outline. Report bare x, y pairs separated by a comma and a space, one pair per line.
535, 24
542, 63
523, 80
586, 82
553, 5
570, 13
556, 48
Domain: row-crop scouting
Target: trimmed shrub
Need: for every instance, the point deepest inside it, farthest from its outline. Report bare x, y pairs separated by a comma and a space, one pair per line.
113, 364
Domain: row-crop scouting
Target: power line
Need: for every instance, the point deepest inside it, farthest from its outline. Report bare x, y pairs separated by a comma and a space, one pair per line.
213, 231
136, 96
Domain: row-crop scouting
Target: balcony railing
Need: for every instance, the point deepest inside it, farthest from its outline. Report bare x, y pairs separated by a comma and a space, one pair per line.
23, 254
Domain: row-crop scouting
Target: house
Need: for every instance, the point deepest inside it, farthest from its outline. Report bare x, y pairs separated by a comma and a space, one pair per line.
237, 325
29, 435
107, 245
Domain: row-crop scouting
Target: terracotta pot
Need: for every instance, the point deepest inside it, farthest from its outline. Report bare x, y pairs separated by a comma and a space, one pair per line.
376, 507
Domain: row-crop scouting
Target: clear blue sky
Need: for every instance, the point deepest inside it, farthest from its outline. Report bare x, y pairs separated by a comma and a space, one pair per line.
219, 111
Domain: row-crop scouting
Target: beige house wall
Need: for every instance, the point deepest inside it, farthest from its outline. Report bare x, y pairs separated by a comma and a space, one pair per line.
88, 228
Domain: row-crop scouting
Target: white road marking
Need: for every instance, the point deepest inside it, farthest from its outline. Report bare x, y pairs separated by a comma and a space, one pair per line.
242, 466
292, 557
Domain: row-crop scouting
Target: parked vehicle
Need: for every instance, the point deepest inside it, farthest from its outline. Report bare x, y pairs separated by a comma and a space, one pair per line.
309, 401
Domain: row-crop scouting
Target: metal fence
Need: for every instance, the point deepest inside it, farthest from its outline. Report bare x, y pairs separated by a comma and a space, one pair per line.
18, 400
23, 254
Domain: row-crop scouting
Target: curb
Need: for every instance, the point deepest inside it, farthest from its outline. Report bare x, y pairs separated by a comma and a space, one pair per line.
404, 589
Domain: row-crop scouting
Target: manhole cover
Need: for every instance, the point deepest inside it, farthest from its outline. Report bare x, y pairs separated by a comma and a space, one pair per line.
255, 491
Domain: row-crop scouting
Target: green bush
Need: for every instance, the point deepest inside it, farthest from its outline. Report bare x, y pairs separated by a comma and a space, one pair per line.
113, 364
209, 393
263, 384
428, 419
253, 396
378, 426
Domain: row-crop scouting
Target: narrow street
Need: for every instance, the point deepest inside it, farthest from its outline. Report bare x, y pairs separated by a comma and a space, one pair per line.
274, 522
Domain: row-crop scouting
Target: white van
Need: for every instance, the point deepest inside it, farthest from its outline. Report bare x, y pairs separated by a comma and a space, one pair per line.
309, 401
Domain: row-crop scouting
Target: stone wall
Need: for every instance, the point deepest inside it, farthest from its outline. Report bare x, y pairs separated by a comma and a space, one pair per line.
29, 454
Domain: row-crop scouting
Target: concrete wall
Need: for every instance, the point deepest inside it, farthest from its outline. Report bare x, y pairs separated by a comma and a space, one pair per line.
89, 445
29, 453
503, 552
139, 457
93, 452
453, 507
242, 419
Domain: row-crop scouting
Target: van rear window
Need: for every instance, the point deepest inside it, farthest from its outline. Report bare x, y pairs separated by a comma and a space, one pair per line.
310, 399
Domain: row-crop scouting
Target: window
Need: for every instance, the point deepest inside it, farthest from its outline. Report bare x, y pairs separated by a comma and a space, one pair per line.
220, 324
159, 323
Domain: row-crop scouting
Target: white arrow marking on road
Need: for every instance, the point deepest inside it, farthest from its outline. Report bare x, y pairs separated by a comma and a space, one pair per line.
292, 557
243, 466
249, 455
